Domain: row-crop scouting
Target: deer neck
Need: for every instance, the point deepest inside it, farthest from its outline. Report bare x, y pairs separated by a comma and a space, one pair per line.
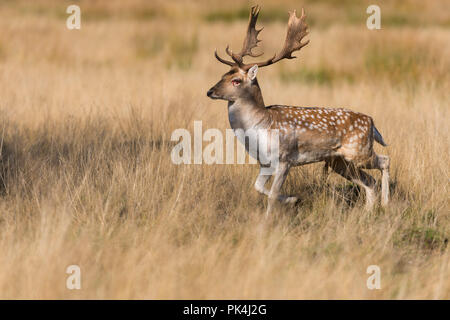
248, 111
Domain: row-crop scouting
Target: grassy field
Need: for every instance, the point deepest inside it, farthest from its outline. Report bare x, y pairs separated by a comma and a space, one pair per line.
87, 178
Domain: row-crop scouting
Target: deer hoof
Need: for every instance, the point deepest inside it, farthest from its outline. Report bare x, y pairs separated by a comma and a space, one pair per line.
291, 200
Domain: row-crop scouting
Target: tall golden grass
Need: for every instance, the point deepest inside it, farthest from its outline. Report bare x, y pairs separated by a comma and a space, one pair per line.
87, 178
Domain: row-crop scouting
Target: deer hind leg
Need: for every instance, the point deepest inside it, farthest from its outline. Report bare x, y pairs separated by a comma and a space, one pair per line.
382, 163
384, 167
349, 171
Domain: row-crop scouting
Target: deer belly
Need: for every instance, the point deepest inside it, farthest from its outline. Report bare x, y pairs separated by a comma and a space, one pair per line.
310, 156
306, 151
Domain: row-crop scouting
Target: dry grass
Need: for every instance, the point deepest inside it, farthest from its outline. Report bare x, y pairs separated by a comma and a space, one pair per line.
86, 119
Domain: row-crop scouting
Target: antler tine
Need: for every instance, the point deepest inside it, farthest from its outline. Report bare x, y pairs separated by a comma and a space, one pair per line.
237, 59
231, 64
297, 30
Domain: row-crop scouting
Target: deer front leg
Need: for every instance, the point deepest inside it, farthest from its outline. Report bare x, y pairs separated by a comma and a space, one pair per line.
278, 180
261, 181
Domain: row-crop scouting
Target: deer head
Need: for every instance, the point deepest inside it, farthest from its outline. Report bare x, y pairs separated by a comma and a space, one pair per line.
240, 81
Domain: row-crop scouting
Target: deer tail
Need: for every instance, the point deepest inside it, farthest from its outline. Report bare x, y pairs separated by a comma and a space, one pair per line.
378, 137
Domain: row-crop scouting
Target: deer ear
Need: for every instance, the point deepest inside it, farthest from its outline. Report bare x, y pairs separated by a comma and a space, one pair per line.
251, 73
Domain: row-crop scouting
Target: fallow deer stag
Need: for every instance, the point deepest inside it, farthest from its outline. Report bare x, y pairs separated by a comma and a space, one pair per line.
343, 139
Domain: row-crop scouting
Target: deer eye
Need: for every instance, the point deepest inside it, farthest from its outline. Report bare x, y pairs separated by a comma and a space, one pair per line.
236, 82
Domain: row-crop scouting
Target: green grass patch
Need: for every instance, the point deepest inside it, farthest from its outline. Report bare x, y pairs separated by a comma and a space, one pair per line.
421, 238
146, 14
179, 50
148, 46
182, 51
320, 76
398, 62
2, 52
91, 13
269, 15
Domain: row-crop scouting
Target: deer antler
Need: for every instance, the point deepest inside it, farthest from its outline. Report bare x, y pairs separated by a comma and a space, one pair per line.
251, 41
297, 30
231, 64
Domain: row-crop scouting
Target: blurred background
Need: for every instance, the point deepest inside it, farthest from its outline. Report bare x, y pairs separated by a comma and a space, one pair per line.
180, 35
86, 176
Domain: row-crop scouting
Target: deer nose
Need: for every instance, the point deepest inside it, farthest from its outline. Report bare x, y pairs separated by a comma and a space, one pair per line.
210, 92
